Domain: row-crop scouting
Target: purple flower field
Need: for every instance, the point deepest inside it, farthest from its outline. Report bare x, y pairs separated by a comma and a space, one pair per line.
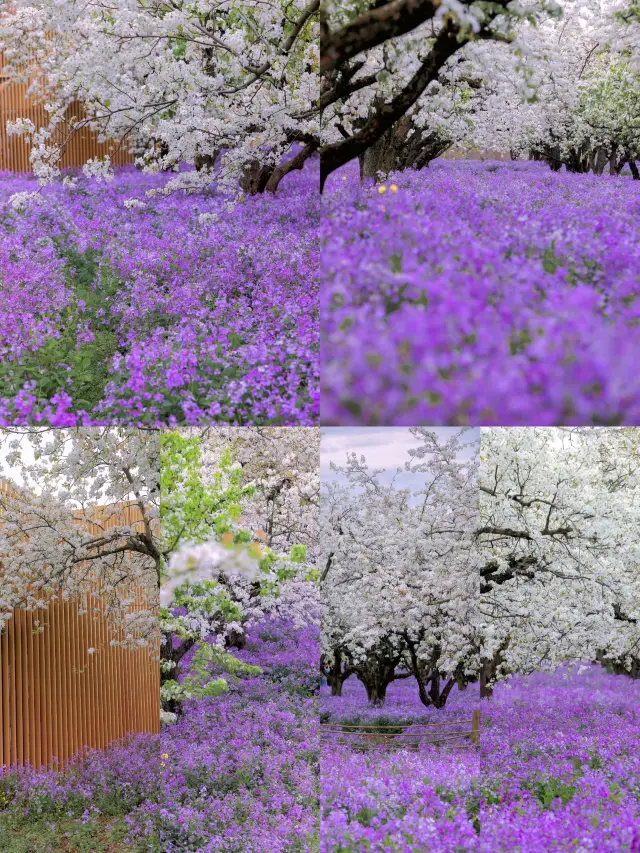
383, 800
241, 770
558, 770
492, 293
561, 764
237, 773
177, 310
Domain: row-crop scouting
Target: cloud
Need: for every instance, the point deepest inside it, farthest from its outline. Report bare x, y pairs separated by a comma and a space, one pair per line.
383, 447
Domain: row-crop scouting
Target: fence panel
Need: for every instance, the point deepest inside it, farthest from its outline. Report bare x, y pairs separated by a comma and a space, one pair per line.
65, 683
57, 697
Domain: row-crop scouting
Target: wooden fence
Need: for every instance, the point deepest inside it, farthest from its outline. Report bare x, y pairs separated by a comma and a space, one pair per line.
459, 733
14, 151
57, 698
64, 687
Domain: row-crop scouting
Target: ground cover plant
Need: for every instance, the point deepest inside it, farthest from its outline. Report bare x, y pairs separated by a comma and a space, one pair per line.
123, 308
237, 772
557, 770
397, 798
240, 771
86, 807
228, 513
240, 643
399, 648
480, 293
560, 763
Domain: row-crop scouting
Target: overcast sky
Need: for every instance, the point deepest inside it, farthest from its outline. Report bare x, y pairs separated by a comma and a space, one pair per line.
12, 472
383, 447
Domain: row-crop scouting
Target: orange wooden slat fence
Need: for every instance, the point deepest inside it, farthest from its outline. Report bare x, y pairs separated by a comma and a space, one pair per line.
56, 696
410, 735
14, 151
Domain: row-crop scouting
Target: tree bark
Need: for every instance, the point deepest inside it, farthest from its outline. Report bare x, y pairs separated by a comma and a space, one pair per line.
373, 28
335, 155
296, 162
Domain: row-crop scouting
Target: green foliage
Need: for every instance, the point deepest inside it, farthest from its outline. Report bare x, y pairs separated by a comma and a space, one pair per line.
195, 509
192, 510
209, 598
296, 680
66, 362
382, 724
35, 833
198, 683
547, 790
610, 102
550, 261
298, 553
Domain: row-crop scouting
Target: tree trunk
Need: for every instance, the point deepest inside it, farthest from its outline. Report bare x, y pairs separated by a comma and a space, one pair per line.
376, 674
486, 689
488, 672
403, 146
619, 166
617, 668
173, 654
376, 690
296, 162
336, 154
599, 161
337, 675
255, 177
438, 698
205, 161
429, 678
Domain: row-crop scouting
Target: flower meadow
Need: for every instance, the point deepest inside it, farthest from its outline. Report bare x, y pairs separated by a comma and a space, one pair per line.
480, 292
119, 307
560, 764
558, 770
237, 773
398, 799
241, 770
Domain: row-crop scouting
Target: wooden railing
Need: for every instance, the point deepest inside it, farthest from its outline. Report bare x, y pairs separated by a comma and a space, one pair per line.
458, 733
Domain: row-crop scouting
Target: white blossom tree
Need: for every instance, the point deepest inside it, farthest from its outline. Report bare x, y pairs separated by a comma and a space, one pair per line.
233, 504
559, 537
280, 465
227, 81
565, 94
400, 572
403, 81
390, 62
64, 527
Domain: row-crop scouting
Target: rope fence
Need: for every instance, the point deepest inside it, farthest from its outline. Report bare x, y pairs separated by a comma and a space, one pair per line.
409, 735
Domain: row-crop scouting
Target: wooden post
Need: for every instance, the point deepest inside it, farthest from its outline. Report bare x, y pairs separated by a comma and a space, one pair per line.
475, 726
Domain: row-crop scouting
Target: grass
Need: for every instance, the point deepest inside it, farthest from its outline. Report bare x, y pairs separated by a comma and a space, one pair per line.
62, 834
